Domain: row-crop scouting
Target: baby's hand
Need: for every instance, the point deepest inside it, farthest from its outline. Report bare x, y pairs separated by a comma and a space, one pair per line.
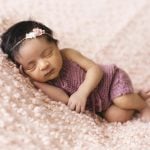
145, 114
37, 84
77, 102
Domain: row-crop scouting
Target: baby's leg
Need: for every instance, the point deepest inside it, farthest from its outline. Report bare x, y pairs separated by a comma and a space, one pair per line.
133, 102
130, 101
116, 114
124, 108
122, 85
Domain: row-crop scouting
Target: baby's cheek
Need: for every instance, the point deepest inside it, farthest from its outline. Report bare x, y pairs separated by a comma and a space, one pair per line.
34, 75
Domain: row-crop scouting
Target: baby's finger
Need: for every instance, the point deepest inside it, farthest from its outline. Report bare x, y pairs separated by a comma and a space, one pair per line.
69, 103
78, 108
72, 106
82, 109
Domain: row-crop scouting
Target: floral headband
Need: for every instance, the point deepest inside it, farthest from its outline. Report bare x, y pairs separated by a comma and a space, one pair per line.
31, 35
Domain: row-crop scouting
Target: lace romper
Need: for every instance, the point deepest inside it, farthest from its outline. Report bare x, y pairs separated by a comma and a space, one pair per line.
115, 82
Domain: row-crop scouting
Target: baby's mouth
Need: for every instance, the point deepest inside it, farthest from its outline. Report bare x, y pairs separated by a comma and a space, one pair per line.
50, 72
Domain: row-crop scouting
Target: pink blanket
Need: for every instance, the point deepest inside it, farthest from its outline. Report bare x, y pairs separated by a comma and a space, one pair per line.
106, 31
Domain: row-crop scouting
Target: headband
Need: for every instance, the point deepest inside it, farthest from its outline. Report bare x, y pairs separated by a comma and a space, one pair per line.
36, 32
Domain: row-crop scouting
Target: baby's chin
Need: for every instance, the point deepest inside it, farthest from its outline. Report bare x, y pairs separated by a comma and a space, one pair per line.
42, 80
38, 80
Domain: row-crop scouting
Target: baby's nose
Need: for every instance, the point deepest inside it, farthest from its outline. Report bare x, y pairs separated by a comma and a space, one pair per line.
43, 64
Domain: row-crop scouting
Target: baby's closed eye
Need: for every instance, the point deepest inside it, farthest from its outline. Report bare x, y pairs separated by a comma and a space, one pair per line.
31, 65
47, 53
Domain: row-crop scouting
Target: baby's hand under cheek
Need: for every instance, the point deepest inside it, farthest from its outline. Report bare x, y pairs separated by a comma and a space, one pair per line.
36, 83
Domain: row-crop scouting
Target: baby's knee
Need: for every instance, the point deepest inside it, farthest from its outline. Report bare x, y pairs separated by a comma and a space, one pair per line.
116, 114
123, 101
130, 101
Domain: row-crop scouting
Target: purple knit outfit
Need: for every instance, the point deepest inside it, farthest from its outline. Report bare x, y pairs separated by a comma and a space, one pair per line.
115, 82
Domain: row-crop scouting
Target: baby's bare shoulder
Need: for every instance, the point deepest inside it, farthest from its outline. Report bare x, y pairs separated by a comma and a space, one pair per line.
67, 50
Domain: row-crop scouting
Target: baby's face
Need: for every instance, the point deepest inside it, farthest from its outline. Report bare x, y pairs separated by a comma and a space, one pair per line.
40, 59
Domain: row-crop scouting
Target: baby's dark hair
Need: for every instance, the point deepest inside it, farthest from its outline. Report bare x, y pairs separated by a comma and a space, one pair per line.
17, 32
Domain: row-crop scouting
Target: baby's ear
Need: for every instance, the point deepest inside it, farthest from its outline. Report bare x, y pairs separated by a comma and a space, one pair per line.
22, 71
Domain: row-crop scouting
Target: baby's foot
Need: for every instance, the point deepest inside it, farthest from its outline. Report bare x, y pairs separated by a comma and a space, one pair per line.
145, 94
145, 114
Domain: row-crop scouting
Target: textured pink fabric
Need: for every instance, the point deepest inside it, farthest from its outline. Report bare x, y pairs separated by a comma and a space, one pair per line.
115, 82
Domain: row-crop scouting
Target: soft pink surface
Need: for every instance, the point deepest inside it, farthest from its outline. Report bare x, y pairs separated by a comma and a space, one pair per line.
115, 31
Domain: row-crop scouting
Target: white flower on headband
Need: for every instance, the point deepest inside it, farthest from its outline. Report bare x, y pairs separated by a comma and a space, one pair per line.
35, 32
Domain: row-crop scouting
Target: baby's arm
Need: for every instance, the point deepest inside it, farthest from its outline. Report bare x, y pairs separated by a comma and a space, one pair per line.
94, 73
53, 92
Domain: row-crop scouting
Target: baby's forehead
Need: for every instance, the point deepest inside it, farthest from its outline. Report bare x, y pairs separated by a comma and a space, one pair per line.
31, 44
33, 47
